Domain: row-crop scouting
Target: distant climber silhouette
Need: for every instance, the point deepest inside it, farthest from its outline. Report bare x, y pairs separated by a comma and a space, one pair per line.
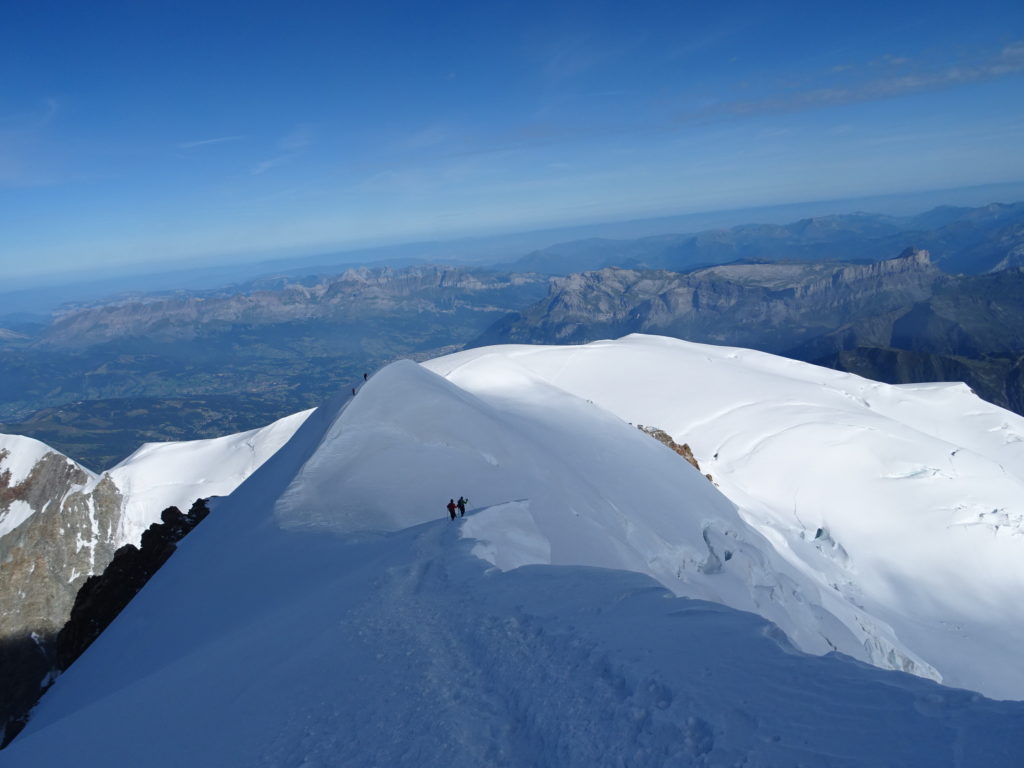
365, 376
451, 508
461, 504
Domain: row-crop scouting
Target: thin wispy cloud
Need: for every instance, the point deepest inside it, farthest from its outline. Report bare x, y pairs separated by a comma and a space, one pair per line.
300, 137
571, 59
1006, 61
562, 58
512, 109
293, 144
848, 83
24, 159
264, 166
427, 137
891, 60
31, 119
699, 42
208, 142
1009, 61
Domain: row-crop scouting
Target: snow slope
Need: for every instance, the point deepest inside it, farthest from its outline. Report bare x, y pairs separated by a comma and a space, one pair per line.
901, 503
18, 457
328, 613
262, 646
591, 490
160, 475
157, 475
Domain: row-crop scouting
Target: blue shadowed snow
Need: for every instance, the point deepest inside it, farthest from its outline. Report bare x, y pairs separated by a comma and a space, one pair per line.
301, 649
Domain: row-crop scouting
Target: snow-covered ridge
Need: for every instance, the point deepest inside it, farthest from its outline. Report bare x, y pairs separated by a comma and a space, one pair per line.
159, 475
586, 489
311, 620
904, 504
18, 456
60, 524
882, 521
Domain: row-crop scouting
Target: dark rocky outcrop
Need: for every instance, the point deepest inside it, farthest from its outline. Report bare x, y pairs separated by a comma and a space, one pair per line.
683, 450
26, 668
68, 532
29, 662
103, 597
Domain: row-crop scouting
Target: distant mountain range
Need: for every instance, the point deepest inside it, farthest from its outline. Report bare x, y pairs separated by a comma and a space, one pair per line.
355, 296
770, 306
898, 320
101, 377
27, 299
967, 240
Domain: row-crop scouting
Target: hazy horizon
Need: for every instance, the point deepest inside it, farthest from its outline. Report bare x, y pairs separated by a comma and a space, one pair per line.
501, 245
149, 134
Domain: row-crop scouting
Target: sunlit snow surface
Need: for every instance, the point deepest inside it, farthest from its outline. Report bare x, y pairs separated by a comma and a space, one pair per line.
904, 504
328, 613
160, 475
18, 457
156, 476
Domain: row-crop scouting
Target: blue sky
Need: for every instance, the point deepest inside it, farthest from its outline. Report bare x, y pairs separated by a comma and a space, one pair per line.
152, 132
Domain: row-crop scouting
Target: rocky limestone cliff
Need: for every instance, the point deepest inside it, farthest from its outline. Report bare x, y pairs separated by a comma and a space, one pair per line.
897, 321
30, 664
60, 525
768, 306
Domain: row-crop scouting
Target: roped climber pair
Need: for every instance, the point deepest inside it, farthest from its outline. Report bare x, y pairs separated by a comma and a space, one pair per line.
460, 505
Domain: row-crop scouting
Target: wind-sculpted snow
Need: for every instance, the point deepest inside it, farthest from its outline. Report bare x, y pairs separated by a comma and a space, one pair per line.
904, 505
594, 491
160, 475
